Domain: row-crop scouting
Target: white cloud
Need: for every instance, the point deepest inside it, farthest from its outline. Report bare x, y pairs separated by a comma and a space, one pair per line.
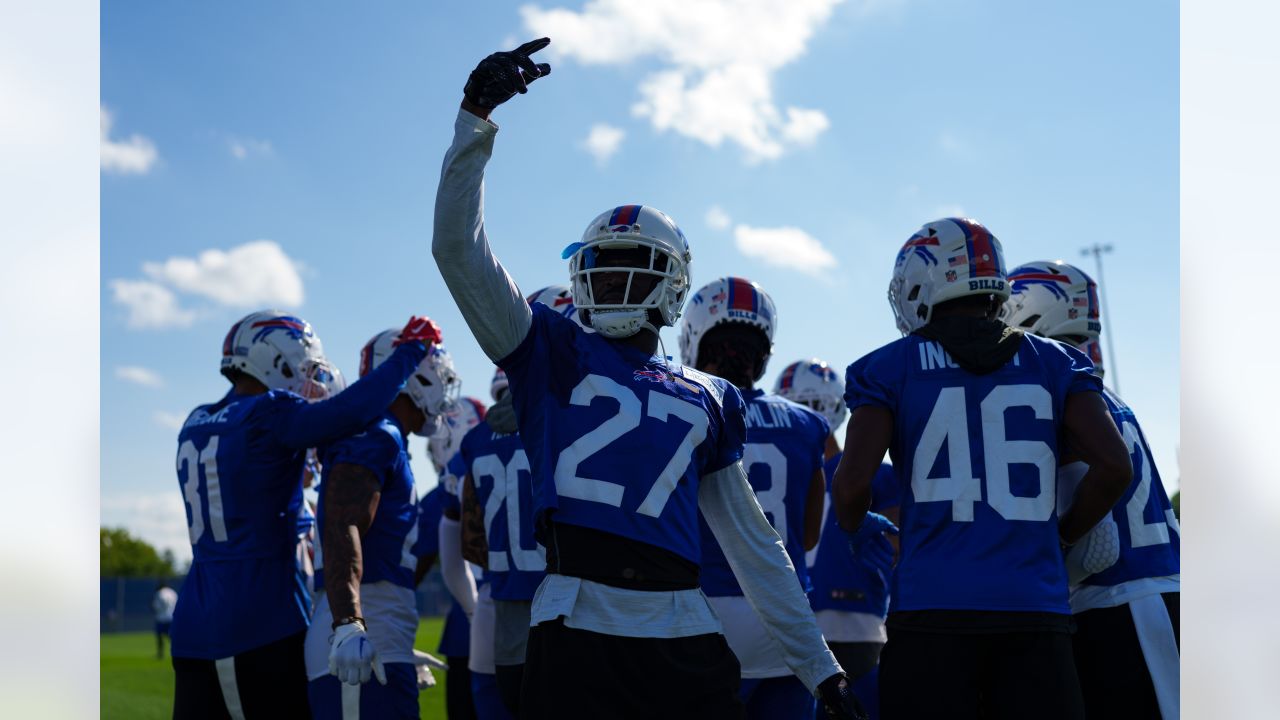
256, 273
140, 376
158, 518
242, 148
603, 141
172, 421
717, 218
135, 154
716, 60
150, 305
784, 247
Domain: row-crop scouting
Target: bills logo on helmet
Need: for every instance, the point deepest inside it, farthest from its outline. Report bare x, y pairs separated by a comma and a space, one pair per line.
916, 244
296, 328
1054, 281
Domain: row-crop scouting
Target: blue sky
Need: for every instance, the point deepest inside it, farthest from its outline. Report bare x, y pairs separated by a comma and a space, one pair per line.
288, 155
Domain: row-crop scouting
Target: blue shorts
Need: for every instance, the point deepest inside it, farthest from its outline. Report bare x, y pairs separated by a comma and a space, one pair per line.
488, 702
780, 697
397, 699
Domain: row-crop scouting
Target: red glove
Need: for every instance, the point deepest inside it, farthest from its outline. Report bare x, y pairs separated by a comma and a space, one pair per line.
422, 329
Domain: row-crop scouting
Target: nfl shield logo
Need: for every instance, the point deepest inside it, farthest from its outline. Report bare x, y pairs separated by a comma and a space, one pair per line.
951, 276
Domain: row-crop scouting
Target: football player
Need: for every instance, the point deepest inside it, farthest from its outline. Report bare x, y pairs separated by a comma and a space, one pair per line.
366, 620
497, 526
242, 612
849, 598
728, 332
971, 412
1126, 610
461, 579
624, 448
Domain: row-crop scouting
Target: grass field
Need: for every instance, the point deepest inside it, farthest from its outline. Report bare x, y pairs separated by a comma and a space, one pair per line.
137, 686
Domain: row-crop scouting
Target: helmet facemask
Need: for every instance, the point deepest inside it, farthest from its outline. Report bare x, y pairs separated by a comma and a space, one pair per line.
434, 388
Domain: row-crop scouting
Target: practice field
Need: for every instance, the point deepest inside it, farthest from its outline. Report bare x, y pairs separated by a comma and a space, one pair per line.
137, 686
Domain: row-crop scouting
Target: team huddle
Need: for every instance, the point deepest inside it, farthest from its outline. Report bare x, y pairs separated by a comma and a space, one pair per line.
627, 536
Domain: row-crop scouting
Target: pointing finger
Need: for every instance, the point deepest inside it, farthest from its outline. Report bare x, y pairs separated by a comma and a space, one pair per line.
533, 46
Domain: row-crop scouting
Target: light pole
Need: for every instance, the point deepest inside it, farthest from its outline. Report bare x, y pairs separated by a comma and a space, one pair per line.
1097, 250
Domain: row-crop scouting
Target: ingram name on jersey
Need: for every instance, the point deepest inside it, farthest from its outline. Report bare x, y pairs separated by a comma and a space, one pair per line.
976, 463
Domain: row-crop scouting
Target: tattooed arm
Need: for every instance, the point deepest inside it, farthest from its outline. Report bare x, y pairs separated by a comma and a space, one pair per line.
351, 499
475, 542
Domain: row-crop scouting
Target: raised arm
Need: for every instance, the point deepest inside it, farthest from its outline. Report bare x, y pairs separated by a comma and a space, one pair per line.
486, 295
314, 424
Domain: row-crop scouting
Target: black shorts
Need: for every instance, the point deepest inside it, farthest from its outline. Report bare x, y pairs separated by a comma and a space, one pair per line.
265, 682
1127, 657
993, 676
572, 673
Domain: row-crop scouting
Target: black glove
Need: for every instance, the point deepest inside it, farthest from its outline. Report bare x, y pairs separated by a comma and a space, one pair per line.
838, 700
503, 74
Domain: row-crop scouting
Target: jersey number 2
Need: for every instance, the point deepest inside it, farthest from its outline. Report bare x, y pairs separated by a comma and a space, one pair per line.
207, 459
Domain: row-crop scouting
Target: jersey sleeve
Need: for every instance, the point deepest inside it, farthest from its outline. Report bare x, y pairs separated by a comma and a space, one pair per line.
488, 298
451, 481
299, 424
733, 431
373, 449
1079, 371
884, 489
429, 514
871, 381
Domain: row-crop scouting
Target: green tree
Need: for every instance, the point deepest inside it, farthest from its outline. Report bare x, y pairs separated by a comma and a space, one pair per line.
1177, 510
123, 555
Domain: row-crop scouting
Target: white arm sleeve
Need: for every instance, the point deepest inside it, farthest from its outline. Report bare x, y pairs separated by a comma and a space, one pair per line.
489, 300
455, 571
760, 562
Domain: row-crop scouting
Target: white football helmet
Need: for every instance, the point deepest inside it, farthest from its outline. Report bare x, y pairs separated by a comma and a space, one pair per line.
464, 415
280, 351
944, 260
433, 387
817, 385
498, 384
1056, 300
727, 300
623, 228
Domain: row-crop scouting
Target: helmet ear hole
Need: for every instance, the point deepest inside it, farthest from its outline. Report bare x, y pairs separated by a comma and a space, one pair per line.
922, 311
285, 370
915, 293
1029, 321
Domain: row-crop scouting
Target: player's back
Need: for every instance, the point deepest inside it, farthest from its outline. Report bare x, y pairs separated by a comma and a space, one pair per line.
242, 489
783, 452
1150, 540
387, 546
499, 471
976, 458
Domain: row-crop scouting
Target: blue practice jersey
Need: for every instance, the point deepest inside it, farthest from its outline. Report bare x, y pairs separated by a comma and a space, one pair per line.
976, 463
499, 471
430, 510
618, 439
386, 550
1150, 544
783, 452
239, 468
839, 581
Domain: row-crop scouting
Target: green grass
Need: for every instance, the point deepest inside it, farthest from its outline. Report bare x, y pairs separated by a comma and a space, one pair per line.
137, 686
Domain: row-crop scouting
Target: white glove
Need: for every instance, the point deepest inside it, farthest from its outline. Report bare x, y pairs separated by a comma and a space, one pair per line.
1098, 550
423, 662
352, 656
